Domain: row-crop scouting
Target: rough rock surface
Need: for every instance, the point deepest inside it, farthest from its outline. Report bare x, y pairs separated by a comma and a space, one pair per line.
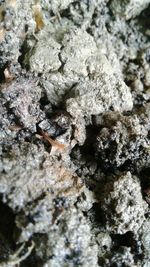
123, 139
123, 204
74, 133
129, 8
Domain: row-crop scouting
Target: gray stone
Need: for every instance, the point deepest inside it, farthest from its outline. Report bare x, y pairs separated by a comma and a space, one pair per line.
129, 8
123, 204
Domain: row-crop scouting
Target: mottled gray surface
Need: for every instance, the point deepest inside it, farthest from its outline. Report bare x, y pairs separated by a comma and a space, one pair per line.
75, 133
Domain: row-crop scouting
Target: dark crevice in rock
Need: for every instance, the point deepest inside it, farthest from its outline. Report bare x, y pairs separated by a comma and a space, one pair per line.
97, 215
7, 226
35, 260
23, 51
127, 240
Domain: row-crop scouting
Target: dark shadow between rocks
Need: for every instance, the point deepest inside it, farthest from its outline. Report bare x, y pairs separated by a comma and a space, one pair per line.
127, 240
7, 225
96, 215
34, 260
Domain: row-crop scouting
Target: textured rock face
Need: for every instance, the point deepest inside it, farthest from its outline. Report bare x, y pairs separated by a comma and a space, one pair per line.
15, 17
74, 133
39, 61
129, 8
123, 139
22, 97
93, 97
123, 205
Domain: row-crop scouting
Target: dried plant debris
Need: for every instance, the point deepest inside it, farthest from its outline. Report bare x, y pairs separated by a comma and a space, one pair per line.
75, 133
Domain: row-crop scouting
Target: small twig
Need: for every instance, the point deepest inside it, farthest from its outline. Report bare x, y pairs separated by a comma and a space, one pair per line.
51, 141
57, 16
14, 259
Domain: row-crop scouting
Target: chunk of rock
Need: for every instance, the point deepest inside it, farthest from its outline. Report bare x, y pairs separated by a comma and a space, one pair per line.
56, 6
15, 18
129, 8
44, 56
78, 47
122, 139
16, 166
123, 204
73, 246
146, 242
22, 97
104, 90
